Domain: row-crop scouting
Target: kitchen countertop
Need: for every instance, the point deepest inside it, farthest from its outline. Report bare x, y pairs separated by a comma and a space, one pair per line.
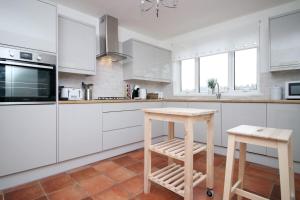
185, 100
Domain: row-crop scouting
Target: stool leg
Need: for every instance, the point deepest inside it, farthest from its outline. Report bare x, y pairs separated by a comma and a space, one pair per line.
147, 156
229, 167
188, 163
170, 137
284, 170
210, 154
291, 164
242, 163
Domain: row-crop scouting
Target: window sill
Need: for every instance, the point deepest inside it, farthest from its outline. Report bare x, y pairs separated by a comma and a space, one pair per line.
226, 95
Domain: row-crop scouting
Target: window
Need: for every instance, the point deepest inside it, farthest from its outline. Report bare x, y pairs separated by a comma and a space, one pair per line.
235, 71
245, 69
188, 75
214, 67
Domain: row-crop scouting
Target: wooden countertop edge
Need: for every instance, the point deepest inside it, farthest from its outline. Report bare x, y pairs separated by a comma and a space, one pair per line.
185, 100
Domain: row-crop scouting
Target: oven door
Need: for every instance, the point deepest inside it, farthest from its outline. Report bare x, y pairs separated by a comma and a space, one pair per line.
27, 82
294, 90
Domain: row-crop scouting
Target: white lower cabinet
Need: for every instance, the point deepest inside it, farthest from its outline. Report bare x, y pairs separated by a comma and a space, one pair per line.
200, 128
80, 130
122, 137
286, 116
27, 137
235, 114
179, 127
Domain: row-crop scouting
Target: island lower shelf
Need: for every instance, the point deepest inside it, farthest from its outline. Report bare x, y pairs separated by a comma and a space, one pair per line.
172, 178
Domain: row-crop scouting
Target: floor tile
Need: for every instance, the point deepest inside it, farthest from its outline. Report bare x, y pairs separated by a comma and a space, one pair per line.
96, 184
138, 155
159, 193
57, 182
125, 161
84, 174
257, 185
137, 168
1, 196
133, 186
42, 198
70, 193
114, 193
120, 174
105, 166
26, 192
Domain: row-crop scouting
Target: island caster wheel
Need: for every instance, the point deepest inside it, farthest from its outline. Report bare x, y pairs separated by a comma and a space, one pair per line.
210, 193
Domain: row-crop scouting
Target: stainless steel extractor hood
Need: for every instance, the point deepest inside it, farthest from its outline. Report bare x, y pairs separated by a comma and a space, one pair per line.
109, 40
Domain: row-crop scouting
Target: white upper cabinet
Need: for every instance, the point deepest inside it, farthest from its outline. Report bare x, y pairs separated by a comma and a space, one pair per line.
285, 42
235, 114
28, 24
76, 47
149, 62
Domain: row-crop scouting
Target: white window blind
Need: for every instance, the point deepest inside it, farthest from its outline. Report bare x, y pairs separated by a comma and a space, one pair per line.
216, 40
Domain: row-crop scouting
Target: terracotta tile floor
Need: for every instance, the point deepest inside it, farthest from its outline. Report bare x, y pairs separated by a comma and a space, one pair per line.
121, 178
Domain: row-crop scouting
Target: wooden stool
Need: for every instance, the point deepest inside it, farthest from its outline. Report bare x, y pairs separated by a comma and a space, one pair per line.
177, 178
269, 137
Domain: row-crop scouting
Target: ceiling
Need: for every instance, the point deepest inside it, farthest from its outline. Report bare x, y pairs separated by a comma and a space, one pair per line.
188, 16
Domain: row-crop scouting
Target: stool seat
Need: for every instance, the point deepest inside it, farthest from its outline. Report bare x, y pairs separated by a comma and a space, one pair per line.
280, 139
282, 135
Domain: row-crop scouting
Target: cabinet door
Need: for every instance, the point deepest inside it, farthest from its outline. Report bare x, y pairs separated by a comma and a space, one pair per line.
163, 64
28, 24
179, 128
27, 137
200, 128
122, 137
77, 47
80, 130
235, 114
286, 116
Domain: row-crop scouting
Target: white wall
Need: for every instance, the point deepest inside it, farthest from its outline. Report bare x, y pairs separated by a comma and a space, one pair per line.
109, 78
267, 79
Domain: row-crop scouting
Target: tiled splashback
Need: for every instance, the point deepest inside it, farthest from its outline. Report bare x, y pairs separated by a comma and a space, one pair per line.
108, 81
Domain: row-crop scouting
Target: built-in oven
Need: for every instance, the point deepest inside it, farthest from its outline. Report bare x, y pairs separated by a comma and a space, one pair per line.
292, 90
27, 77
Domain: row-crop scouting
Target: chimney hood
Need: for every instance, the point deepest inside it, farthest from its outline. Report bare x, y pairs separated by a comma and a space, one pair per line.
109, 40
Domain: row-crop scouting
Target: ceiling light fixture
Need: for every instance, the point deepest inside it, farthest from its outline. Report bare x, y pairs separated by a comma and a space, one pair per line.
147, 5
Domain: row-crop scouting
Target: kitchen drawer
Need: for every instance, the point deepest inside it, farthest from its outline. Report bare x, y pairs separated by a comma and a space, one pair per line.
123, 119
113, 107
121, 137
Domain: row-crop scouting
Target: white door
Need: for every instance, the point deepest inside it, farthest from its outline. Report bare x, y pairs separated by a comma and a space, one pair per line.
27, 137
235, 114
28, 24
200, 128
80, 130
286, 116
179, 128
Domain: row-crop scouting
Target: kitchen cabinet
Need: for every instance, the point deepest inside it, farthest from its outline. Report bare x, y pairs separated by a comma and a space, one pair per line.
178, 127
123, 124
77, 47
235, 114
149, 62
285, 116
27, 137
28, 24
122, 137
80, 130
200, 128
285, 41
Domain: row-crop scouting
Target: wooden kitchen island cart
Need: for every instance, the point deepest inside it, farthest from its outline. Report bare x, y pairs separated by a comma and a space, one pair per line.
177, 178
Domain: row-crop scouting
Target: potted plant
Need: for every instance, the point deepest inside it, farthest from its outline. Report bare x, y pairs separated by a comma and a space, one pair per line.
211, 83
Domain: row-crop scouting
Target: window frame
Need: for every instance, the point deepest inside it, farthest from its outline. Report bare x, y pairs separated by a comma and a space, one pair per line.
231, 77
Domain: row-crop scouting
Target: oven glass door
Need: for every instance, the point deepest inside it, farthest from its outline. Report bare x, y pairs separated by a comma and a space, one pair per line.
27, 84
294, 89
